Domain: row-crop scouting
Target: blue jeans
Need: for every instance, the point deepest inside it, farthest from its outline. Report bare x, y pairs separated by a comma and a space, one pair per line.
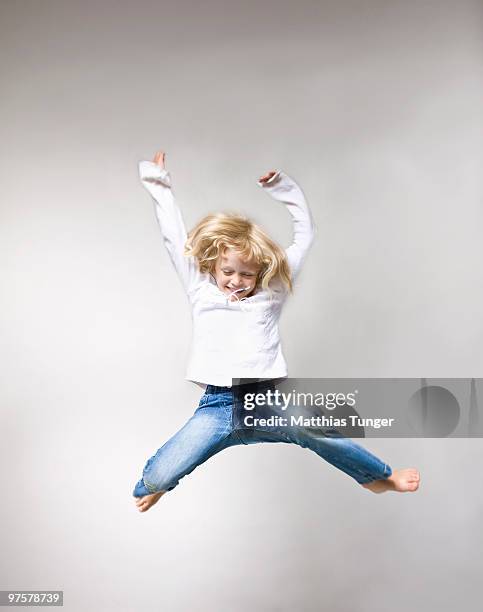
211, 429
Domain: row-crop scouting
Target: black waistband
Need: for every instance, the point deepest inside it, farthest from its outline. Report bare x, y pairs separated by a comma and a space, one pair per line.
214, 389
247, 386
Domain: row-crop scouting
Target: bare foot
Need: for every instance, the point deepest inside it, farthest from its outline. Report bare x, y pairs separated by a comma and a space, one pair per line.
145, 502
402, 481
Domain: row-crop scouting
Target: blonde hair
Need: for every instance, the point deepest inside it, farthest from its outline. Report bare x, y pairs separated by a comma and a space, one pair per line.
216, 232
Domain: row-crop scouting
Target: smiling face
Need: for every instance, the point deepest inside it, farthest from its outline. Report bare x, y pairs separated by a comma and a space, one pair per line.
231, 273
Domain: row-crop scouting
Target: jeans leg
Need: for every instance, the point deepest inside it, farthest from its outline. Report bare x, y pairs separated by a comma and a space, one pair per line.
342, 453
206, 433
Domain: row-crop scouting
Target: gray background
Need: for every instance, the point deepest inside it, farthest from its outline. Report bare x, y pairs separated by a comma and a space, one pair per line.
374, 107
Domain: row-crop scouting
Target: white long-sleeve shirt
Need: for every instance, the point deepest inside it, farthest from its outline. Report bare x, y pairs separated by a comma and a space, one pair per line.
231, 340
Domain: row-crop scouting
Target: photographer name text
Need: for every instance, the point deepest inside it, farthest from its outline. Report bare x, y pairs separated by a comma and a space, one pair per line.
317, 421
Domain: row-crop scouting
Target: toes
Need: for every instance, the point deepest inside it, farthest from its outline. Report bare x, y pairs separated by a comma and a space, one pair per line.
142, 503
145, 502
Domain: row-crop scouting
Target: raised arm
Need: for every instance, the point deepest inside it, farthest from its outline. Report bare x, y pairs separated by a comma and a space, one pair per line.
157, 181
284, 189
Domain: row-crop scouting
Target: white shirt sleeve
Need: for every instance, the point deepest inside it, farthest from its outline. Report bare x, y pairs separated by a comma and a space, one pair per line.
283, 188
158, 183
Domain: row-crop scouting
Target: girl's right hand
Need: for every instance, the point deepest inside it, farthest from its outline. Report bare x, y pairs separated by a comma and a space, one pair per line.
158, 159
268, 176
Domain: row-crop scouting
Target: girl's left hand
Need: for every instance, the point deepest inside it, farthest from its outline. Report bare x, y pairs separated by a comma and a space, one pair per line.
159, 159
267, 176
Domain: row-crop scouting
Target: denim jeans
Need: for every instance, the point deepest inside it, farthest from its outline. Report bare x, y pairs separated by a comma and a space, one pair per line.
211, 429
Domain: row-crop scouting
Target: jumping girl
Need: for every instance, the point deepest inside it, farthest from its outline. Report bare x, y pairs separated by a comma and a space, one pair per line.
237, 280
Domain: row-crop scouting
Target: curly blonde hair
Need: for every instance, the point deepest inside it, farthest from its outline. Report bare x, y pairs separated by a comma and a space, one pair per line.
219, 231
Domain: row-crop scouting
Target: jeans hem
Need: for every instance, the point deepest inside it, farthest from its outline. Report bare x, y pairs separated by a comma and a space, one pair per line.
387, 472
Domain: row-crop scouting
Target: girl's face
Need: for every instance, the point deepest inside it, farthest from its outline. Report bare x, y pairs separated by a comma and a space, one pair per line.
232, 272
